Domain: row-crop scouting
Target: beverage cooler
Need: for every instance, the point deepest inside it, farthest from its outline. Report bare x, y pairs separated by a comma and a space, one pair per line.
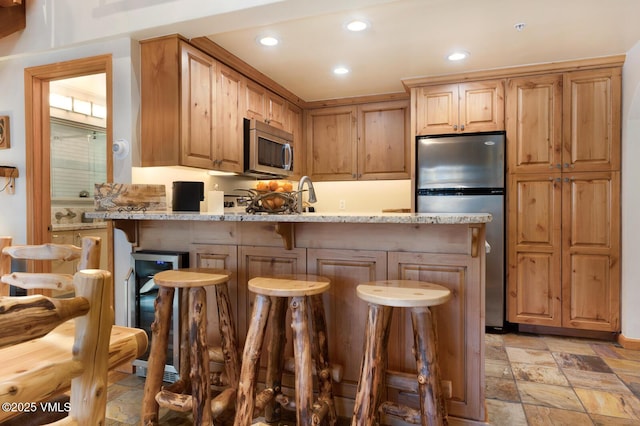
142, 291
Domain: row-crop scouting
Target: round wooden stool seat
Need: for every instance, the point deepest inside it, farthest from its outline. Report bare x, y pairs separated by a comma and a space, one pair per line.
403, 293
191, 277
289, 285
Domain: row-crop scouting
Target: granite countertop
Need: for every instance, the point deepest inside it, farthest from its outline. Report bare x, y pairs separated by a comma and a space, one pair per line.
337, 217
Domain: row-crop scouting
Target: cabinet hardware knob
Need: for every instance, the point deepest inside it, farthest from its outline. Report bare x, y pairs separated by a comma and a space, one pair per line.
462, 127
559, 165
455, 127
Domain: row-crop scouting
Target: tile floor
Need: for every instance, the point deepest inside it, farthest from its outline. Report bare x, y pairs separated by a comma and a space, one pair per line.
530, 380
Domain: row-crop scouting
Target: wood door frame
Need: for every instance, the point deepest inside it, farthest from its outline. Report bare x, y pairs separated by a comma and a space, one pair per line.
38, 167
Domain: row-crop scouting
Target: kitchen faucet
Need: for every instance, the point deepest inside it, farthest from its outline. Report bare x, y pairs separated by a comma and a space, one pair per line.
312, 192
70, 214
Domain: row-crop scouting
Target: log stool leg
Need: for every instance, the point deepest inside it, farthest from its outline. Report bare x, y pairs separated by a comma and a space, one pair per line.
275, 360
302, 357
157, 355
245, 401
323, 368
433, 409
199, 374
228, 335
373, 367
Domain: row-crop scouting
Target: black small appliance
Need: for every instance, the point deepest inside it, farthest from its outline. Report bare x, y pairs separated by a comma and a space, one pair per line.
187, 196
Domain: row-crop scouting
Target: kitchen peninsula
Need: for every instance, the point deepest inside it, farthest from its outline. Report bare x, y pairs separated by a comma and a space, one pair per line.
448, 249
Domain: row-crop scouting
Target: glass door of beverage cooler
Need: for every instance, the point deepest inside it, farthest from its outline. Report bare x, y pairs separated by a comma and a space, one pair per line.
143, 291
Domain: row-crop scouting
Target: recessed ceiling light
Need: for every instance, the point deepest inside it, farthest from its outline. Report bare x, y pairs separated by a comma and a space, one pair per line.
458, 56
341, 70
268, 41
357, 25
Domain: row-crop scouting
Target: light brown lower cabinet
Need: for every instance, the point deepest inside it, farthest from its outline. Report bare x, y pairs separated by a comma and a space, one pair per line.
564, 250
460, 342
443, 254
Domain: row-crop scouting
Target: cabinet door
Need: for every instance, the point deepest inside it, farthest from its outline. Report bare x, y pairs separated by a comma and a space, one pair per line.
198, 96
255, 101
346, 269
481, 106
217, 257
436, 109
332, 143
460, 334
276, 110
534, 249
229, 130
383, 140
60, 266
534, 123
592, 120
263, 261
591, 251
160, 102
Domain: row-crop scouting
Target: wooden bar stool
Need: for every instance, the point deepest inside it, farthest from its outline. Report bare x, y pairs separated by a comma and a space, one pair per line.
383, 296
272, 293
194, 354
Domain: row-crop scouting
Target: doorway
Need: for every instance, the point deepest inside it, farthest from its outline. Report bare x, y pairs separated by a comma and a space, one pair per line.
38, 137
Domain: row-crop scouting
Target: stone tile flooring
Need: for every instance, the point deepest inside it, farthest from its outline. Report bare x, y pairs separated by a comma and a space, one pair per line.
548, 380
530, 380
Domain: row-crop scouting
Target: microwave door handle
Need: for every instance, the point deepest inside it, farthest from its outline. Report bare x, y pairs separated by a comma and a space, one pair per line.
288, 156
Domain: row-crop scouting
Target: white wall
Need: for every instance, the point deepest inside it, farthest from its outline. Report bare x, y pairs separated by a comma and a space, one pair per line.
125, 96
631, 194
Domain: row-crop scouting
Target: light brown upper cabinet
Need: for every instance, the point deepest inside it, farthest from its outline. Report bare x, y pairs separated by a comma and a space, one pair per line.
534, 124
456, 108
332, 140
364, 142
591, 110
383, 140
264, 105
191, 108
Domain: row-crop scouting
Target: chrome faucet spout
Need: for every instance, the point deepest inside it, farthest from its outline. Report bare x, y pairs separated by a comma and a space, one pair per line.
312, 192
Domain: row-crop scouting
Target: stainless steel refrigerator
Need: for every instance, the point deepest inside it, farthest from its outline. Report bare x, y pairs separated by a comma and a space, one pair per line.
465, 174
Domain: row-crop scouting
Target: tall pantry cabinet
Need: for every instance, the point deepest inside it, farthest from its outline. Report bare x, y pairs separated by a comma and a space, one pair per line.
563, 236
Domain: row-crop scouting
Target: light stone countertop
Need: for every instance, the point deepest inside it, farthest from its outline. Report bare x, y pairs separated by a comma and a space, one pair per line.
334, 217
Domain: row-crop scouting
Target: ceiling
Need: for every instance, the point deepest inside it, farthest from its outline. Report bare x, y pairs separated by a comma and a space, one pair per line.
411, 38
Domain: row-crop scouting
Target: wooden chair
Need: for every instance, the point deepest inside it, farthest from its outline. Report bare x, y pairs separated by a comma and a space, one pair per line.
88, 256
49, 345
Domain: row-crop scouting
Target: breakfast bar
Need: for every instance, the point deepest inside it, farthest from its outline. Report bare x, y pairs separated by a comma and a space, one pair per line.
348, 249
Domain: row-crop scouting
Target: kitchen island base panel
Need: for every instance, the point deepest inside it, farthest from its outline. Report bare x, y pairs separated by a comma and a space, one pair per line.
450, 254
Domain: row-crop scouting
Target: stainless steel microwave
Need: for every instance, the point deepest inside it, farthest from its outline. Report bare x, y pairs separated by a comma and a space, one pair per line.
268, 151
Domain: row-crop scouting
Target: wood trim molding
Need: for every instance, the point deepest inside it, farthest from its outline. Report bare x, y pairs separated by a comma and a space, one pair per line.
629, 343
546, 68
37, 170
